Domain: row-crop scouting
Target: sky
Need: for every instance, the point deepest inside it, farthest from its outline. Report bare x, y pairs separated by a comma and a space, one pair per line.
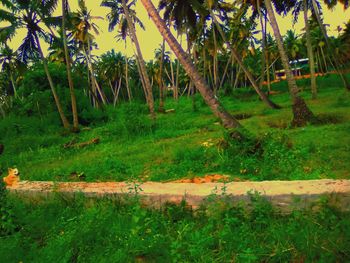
150, 39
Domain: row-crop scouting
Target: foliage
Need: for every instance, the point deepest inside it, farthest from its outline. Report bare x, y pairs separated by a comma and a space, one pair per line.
89, 231
7, 218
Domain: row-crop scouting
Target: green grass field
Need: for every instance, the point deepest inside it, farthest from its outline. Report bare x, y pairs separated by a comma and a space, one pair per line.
81, 230
188, 142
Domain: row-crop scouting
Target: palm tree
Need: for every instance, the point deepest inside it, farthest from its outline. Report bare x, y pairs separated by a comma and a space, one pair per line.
68, 66
31, 15
305, 5
82, 23
161, 57
292, 44
237, 57
316, 10
301, 112
309, 50
227, 119
112, 67
122, 13
9, 63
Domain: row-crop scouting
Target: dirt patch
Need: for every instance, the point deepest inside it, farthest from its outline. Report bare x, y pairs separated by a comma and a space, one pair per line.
214, 178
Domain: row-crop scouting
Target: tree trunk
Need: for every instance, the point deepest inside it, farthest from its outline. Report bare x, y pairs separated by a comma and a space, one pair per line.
310, 52
127, 78
236, 56
13, 83
148, 87
301, 112
92, 75
227, 119
324, 32
177, 79
3, 114
324, 60
160, 80
225, 71
64, 120
263, 46
68, 66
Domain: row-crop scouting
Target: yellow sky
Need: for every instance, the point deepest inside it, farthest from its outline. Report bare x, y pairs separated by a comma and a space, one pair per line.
150, 39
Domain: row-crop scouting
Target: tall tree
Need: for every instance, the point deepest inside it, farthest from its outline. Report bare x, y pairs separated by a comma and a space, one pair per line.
9, 63
31, 16
309, 50
301, 112
121, 13
316, 9
68, 67
227, 119
237, 57
83, 27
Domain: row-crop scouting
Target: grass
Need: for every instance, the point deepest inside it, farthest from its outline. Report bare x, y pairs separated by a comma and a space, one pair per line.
187, 142
81, 230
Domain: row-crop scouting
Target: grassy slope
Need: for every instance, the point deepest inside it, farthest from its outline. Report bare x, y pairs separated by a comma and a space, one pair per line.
132, 148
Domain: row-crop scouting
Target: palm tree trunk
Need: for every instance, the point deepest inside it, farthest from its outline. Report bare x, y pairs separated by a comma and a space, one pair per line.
68, 66
3, 114
215, 63
310, 52
148, 87
227, 119
173, 80
64, 120
263, 46
225, 71
92, 75
237, 57
324, 60
301, 112
127, 78
13, 83
177, 79
160, 80
324, 32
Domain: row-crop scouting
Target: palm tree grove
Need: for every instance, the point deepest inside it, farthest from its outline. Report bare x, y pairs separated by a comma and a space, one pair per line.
174, 131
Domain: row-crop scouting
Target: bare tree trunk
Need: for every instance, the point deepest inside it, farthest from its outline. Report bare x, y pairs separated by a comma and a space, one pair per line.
227, 119
175, 92
301, 112
263, 47
13, 83
310, 52
225, 71
324, 60
238, 72
64, 120
117, 92
68, 66
160, 80
177, 79
92, 75
148, 87
127, 78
